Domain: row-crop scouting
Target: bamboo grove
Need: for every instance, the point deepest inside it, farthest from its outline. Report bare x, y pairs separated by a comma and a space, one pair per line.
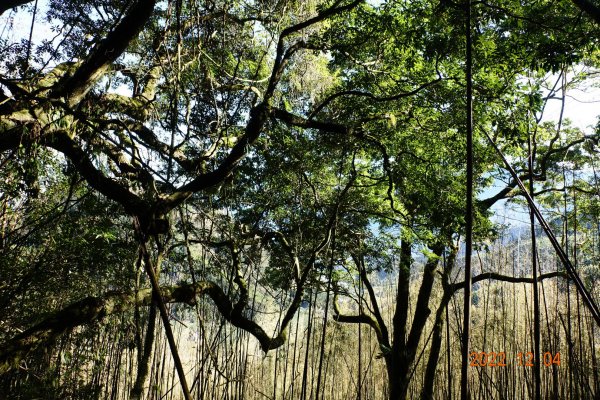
265, 199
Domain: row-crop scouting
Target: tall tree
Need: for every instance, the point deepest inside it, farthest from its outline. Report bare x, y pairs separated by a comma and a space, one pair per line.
256, 130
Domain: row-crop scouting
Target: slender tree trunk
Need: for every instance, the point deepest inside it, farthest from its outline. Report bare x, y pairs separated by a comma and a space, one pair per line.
324, 331
359, 370
464, 383
438, 327
435, 349
305, 383
294, 358
536, 298
448, 355
144, 363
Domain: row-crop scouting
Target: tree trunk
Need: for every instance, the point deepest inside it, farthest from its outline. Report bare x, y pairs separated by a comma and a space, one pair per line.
397, 370
144, 364
435, 349
404, 350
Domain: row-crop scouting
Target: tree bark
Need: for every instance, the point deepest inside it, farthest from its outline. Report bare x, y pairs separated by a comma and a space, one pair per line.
144, 364
95, 309
438, 326
402, 355
434, 350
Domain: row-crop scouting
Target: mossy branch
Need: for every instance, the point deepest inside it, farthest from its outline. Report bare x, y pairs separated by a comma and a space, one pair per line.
94, 309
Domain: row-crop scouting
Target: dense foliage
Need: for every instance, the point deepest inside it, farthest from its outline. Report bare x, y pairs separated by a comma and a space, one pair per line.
259, 153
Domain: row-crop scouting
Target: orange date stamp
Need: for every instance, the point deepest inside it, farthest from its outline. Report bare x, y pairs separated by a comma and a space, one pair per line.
493, 359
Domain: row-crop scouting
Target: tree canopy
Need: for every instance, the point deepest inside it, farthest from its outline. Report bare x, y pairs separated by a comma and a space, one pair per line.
157, 152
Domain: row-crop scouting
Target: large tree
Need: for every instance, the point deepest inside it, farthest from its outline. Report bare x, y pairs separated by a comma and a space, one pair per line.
292, 129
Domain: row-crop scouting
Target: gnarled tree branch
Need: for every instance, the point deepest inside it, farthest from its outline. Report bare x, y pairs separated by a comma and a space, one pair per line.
75, 87
505, 278
94, 309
